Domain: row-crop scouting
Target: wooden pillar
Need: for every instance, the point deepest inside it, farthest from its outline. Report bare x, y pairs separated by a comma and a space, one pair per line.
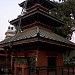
15, 69
12, 63
23, 73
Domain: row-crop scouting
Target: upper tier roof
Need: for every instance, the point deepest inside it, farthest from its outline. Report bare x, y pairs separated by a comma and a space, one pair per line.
37, 15
45, 3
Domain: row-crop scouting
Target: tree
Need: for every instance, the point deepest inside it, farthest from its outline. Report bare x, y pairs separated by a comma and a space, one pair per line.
66, 12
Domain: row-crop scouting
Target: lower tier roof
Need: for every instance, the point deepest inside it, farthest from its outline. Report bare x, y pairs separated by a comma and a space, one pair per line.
43, 34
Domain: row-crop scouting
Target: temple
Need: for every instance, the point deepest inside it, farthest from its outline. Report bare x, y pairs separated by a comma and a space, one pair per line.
35, 48
10, 32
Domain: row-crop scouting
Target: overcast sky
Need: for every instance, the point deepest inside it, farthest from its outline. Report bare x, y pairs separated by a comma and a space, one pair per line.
9, 9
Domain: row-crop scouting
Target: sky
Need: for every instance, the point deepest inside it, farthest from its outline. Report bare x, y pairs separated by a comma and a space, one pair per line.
9, 10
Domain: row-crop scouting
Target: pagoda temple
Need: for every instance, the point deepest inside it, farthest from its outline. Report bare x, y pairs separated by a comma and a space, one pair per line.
35, 48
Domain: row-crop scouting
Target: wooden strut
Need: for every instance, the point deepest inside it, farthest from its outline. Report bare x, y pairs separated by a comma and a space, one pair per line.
19, 26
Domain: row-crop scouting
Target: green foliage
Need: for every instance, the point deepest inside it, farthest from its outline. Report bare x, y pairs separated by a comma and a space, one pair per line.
20, 60
65, 11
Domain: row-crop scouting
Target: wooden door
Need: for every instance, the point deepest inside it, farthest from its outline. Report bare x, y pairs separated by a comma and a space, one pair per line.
52, 63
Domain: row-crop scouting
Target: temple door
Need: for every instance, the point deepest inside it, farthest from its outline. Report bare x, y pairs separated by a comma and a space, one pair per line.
52, 62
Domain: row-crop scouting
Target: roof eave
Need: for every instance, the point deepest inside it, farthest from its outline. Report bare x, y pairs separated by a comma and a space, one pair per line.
38, 39
13, 22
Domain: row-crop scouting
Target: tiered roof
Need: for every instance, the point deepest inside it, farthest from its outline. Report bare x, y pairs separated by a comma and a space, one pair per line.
37, 16
45, 3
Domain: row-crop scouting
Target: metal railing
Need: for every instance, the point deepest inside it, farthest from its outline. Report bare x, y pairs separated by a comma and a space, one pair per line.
49, 71
5, 69
41, 71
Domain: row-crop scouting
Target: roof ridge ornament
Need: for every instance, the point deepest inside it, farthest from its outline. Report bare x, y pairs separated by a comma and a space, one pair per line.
24, 8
